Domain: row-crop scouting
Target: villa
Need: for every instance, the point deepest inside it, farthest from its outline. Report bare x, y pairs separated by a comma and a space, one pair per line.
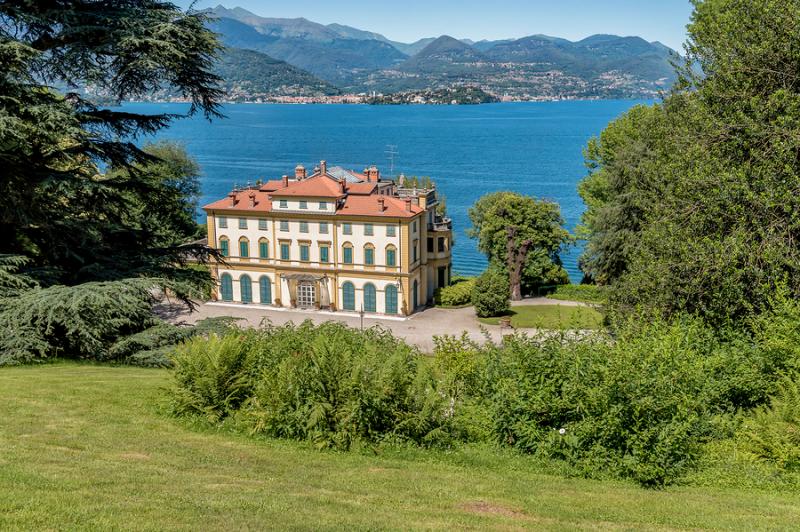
336, 239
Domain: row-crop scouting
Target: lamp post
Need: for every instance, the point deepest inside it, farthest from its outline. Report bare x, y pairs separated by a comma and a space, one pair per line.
361, 315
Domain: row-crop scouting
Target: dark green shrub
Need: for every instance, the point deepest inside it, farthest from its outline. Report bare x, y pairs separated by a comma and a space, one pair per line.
491, 294
588, 293
458, 294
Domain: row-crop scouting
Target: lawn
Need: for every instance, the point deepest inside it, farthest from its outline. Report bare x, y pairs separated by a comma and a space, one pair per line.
86, 447
552, 317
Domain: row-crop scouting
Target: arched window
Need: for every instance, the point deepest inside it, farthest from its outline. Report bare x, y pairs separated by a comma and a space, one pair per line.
265, 290
369, 254
347, 253
348, 296
415, 295
226, 287
224, 246
244, 248
390, 293
370, 304
263, 248
391, 255
246, 287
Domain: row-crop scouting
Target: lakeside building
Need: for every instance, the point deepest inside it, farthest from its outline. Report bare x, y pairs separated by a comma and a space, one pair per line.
336, 239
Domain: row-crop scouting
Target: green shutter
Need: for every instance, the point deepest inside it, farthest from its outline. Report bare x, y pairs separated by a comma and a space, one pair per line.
323, 254
223, 247
390, 257
263, 250
348, 255
391, 299
369, 298
369, 256
244, 250
348, 296
226, 287
265, 289
246, 288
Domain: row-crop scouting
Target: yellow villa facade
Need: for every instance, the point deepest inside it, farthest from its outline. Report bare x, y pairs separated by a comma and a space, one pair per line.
336, 239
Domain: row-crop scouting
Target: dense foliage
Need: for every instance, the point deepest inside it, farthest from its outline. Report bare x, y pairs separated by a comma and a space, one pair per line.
457, 294
523, 236
329, 384
490, 295
692, 203
96, 223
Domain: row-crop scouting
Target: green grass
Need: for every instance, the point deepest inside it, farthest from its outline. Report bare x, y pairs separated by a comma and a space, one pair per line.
586, 293
85, 447
551, 317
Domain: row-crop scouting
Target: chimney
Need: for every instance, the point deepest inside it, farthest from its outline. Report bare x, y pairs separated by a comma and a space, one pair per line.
323, 167
381, 204
422, 200
285, 181
252, 199
232, 197
299, 172
373, 175
408, 204
343, 186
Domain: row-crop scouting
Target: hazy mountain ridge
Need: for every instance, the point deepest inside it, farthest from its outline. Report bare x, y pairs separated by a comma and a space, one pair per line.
536, 66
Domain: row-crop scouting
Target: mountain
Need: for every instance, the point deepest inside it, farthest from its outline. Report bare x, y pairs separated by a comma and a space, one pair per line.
251, 75
313, 47
532, 67
441, 55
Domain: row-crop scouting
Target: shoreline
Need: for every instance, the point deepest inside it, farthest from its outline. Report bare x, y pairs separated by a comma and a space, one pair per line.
321, 102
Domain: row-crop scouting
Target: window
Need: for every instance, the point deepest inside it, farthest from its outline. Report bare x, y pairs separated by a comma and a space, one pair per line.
324, 254
369, 255
263, 249
415, 295
347, 254
262, 224
414, 227
304, 227
284, 204
265, 290
390, 293
391, 256
242, 223
224, 247
368, 230
284, 251
303, 204
304, 252
441, 244
244, 248
391, 230
348, 296
347, 228
430, 245
416, 251
323, 228
323, 205
223, 222
246, 288
369, 298
285, 226
226, 287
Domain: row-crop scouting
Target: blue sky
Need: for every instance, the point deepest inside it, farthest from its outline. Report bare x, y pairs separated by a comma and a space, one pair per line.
409, 20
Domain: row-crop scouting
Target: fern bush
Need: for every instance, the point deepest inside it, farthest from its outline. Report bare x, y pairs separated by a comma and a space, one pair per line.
772, 432
329, 384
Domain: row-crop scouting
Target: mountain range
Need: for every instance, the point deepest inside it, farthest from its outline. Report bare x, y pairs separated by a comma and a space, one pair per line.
338, 57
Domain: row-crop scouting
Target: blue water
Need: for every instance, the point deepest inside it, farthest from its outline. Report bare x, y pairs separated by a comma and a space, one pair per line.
532, 148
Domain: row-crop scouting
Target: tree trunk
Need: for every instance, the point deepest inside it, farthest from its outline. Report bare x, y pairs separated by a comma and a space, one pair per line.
515, 260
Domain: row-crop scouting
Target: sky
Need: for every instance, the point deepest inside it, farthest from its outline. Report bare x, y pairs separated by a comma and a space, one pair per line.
410, 20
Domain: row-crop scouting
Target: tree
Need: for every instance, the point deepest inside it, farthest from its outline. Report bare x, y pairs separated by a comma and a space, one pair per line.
56, 204
490, 293
513, 229
692, 204
92, 223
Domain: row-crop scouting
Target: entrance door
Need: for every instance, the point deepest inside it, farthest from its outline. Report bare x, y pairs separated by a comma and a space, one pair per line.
306, 295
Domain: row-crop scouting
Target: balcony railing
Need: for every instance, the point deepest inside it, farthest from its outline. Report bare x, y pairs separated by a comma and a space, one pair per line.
442, 224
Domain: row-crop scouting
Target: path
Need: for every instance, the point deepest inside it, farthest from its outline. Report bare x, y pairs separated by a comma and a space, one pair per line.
419, 329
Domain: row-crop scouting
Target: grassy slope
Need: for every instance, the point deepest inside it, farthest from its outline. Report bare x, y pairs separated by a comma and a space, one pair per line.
85, 448
552, 317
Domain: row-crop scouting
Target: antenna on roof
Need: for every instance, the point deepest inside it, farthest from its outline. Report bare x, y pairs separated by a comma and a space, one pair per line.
391, 153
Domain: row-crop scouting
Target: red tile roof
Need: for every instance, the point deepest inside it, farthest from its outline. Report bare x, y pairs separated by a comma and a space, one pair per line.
370, 206
316, 186
262, 203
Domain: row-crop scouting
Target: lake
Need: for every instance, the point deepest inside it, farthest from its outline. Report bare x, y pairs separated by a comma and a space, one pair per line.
533, 148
